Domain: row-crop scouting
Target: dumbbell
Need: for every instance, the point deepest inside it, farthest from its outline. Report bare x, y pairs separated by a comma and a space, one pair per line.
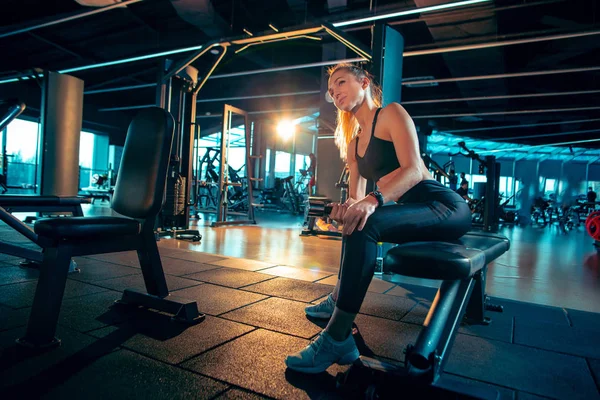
318, 207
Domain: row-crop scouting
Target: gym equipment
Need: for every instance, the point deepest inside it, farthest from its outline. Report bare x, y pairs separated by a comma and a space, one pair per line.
462, 267
317, 207
225, 176
39, 204
139, 194
177, 94
491, 213
437, 170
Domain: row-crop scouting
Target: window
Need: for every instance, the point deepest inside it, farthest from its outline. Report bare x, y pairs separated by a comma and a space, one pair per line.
21, 154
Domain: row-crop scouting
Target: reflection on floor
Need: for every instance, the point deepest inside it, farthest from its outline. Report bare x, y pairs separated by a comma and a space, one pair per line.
543, 266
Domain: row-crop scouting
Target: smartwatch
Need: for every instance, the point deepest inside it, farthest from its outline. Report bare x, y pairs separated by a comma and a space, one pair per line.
378, 196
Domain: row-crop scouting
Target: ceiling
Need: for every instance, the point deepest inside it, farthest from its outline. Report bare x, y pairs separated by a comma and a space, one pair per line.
490, 42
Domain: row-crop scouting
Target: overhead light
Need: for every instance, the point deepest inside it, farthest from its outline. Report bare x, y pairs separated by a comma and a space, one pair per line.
248, 32
272, 27
410, 12
286, 129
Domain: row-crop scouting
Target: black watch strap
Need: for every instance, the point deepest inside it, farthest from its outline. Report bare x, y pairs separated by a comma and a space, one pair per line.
378, 196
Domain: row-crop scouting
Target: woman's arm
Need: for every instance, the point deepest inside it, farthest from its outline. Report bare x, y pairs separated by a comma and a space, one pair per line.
357, 185
401, 129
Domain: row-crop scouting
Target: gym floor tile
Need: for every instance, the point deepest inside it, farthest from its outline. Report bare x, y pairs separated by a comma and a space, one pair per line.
237, 394
502, 392
521, 368
189, 255
10, 318
498, 329
595, 367
416, 293
529, 396
295, 273
230, 277
137, 282
129, 258
330, 280
584, 319
384, 306
256, 362
379, 285
12, 274
178, 267
280, 315
151, 380
20, 295
100, 270
529, 311
559, 338
290, 289
215, 300
172, 342
95, 311
376, 285
8, 258
81, 261
243, 263
373, 337
30, 370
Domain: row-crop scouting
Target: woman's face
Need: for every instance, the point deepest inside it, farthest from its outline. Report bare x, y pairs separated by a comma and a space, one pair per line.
346, 90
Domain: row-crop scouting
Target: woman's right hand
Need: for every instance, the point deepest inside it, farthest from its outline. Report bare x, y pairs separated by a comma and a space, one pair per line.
339, 210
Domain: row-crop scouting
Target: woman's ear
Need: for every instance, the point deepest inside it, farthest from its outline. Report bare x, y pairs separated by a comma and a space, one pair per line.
365, 83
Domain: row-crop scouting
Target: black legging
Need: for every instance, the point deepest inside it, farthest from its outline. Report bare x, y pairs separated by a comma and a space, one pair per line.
427, 212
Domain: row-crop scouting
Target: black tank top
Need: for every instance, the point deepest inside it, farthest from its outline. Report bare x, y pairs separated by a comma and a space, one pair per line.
380, 156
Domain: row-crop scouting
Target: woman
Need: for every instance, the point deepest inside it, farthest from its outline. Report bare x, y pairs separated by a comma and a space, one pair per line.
381, 145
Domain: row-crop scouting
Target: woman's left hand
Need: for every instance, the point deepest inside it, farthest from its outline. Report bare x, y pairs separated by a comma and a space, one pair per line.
357, 214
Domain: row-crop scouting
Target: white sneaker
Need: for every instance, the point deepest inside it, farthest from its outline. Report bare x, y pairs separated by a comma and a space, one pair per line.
322, 310
321, 353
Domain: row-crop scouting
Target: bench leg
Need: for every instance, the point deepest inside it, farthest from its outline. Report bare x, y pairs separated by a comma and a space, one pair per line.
425, 360
48, 299
152, 270
478, 304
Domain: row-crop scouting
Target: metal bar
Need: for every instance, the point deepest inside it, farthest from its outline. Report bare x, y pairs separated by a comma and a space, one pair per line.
260, 96
119, 89
500, 44
13, 113
286, 68
515, 96
502, 76
491, 128
290, 110
507, 112
67, 19
545, 135
271, 36
174, 71
342, 37
209, 73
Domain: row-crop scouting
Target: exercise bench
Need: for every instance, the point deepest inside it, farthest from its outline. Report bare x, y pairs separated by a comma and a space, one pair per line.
461, 265
138, 197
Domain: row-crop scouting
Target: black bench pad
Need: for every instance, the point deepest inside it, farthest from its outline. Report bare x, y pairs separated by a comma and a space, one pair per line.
452, 260
82, 227
32, 200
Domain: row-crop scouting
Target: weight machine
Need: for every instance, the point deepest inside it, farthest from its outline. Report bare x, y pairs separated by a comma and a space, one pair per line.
491, 214
177, 94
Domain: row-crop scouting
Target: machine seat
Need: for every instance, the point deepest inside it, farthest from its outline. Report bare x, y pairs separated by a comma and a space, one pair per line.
85, 227
452, 260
